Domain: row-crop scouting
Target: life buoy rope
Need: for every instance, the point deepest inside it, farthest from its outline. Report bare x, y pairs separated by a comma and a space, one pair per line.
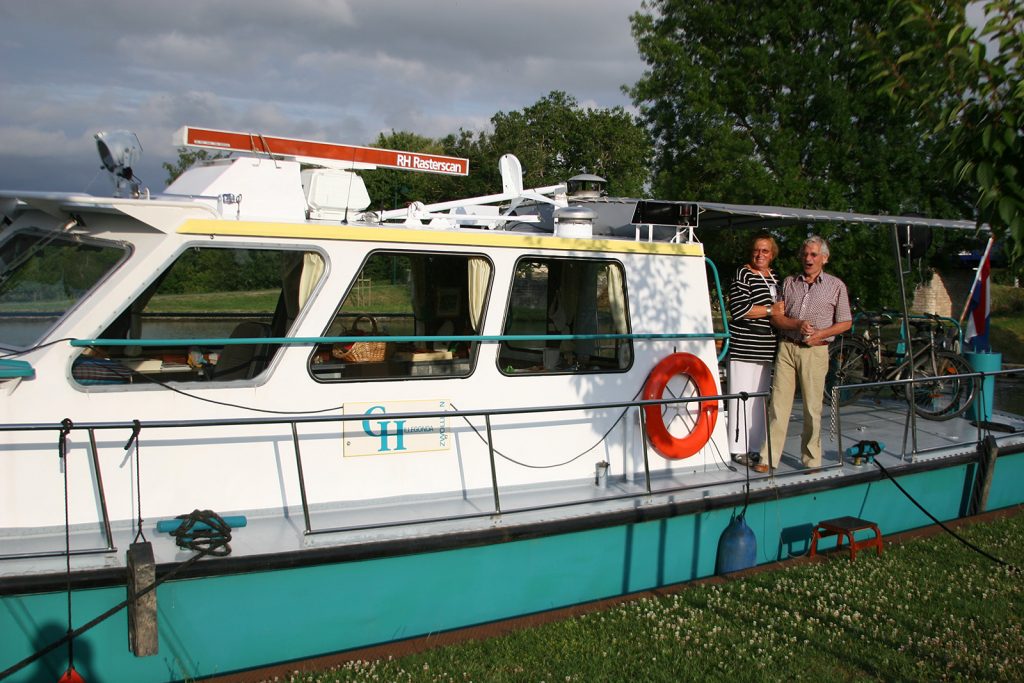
667, 445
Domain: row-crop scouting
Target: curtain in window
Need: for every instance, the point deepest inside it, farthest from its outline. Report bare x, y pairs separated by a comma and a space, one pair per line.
617, 299
312, 268
479, 274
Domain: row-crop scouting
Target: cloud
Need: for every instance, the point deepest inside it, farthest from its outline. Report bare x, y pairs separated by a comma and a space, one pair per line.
337, 70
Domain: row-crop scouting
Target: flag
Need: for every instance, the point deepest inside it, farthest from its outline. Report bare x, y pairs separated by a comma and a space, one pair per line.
978, 305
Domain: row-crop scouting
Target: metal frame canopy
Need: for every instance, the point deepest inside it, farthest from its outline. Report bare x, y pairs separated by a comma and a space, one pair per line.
715, 215
325, 154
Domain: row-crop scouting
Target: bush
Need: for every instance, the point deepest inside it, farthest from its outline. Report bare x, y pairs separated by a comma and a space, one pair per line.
1007, 300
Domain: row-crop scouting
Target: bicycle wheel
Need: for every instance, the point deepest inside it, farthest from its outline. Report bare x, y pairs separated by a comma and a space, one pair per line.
936, 395
849, 363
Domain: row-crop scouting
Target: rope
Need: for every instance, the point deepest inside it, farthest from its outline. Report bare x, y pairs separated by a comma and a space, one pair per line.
553, 465
945, 528
134, 439
744, 396
203, 531
216, 546
62, 449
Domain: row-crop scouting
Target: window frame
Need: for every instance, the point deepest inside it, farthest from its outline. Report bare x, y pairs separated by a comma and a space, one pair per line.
201, 381
127, 248
411, 253
607, 260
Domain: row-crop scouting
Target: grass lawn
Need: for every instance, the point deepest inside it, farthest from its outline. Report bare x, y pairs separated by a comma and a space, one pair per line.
256, 301
929, 609
1007, 337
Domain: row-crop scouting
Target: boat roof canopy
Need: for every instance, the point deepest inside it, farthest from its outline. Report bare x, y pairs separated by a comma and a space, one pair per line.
714, 215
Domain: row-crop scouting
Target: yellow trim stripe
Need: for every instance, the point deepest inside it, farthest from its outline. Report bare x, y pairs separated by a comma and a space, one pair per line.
481, 238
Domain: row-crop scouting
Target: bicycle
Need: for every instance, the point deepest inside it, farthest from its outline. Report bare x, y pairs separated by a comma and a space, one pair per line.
936, 394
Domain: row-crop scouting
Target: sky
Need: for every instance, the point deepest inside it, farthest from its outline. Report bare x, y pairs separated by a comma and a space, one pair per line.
327, 70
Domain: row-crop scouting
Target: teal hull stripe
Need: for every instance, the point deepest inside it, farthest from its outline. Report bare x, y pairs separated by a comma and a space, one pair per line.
303, 612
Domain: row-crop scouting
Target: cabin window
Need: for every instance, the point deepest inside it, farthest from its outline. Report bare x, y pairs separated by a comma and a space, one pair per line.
401, 294
43, 276
566, 297
210, 294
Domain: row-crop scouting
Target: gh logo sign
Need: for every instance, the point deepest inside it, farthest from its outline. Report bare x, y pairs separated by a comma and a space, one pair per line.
387, 431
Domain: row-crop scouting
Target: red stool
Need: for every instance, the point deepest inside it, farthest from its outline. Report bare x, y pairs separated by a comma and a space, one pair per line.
845, 527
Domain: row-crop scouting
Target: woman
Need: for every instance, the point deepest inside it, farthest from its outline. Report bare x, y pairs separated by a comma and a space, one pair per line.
753, 293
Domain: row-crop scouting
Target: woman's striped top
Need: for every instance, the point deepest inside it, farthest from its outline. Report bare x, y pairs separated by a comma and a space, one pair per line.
751, 340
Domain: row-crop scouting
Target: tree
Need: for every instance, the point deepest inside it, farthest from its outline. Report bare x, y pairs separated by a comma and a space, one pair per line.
770, 103
967, 83
555, 138
186, 159
393, 189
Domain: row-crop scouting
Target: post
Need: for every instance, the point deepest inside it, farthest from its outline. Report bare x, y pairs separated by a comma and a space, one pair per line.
494, 470
143, 637
981, 409
912, 414
988, 452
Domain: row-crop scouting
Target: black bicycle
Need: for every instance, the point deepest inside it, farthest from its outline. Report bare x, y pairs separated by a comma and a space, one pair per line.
938, 393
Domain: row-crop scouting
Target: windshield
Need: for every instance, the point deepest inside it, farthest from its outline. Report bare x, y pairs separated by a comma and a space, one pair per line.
42, 276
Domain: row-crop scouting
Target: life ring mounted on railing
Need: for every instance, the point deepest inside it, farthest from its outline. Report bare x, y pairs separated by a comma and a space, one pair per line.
667, 445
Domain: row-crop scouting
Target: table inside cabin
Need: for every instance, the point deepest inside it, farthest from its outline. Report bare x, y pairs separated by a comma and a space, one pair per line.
427, 364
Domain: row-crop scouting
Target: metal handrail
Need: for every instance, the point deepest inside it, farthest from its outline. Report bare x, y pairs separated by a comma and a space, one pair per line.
347, 339
977, 377
294, 421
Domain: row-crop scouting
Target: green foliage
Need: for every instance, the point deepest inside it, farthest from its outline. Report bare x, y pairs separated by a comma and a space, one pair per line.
224, 270
186, 159
1006, 334
966, 83
43, 272
393, 189
769, 103
554, 139
1007, 300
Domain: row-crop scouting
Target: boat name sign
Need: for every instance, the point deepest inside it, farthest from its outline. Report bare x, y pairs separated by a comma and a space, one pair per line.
380, 434
320, 153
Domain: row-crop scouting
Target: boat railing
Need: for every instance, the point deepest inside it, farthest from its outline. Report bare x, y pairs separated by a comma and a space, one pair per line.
910, 423
644, 489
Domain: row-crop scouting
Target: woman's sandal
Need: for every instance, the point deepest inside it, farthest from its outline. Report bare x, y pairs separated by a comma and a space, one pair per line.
741, 459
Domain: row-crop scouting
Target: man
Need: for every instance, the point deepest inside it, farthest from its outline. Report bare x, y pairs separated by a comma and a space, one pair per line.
817, 308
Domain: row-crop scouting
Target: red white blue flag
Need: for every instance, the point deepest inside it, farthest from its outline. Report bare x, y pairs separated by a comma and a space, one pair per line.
978, 305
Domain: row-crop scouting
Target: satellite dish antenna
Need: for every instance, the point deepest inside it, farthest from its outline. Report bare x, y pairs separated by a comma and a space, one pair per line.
119, 150
511, 174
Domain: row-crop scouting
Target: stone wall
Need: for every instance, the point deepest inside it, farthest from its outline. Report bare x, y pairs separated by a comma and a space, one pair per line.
945, 294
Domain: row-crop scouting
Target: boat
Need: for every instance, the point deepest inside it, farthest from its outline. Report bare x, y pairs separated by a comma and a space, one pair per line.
248, 421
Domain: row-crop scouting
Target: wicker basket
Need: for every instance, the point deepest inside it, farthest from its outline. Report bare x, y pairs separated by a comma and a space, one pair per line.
361, 352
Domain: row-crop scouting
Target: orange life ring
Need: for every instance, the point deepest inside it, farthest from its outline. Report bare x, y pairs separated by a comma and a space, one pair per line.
667, 445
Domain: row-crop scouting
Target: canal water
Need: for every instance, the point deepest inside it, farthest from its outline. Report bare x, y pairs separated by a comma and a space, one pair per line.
1009, 394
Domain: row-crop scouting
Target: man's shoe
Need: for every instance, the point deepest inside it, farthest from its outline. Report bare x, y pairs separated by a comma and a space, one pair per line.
760, 467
